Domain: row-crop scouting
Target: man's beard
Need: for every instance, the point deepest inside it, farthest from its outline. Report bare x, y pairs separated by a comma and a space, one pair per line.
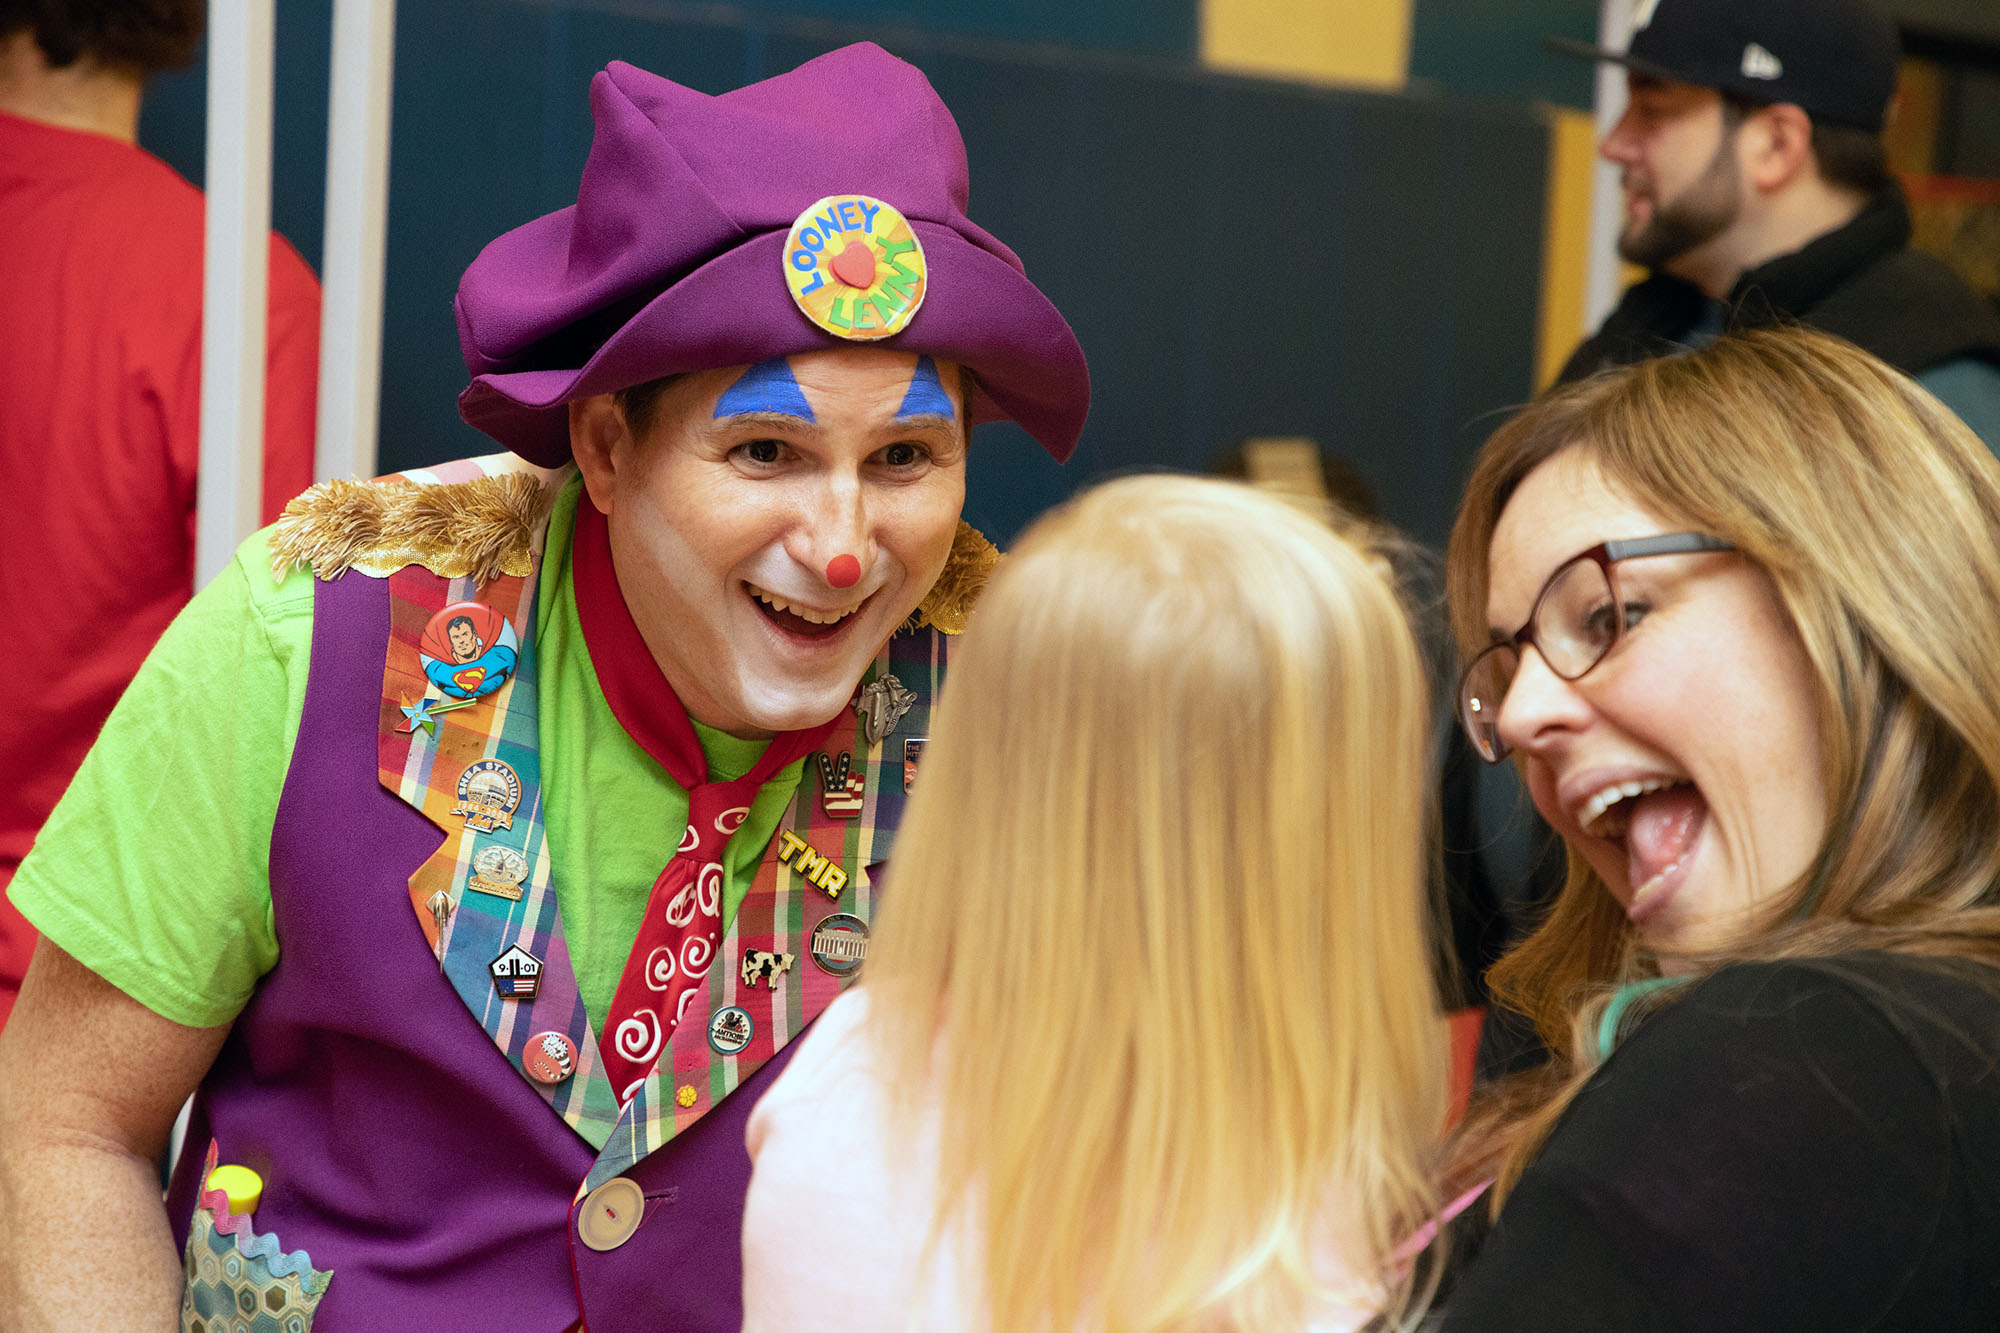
1695, 216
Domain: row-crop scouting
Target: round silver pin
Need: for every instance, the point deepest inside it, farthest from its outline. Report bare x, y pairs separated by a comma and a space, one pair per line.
840, 944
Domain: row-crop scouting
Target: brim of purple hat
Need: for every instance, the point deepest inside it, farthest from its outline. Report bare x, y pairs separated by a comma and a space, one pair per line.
736, 310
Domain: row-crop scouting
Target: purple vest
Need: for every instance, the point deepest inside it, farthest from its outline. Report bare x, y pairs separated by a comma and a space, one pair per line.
398, 1147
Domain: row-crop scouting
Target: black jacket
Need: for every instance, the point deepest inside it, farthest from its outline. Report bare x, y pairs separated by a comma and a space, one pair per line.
1860, 281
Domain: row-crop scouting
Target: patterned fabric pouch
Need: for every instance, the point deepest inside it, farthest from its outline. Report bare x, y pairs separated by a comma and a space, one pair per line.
239, 1281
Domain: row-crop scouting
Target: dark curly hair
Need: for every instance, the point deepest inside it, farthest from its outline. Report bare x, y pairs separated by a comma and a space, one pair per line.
141, 36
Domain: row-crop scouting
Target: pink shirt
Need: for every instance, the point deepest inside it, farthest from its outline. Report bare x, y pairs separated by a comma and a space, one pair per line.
838, 1212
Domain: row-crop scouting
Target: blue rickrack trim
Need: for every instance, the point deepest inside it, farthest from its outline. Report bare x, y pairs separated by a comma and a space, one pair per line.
295, 1264
1614, 1012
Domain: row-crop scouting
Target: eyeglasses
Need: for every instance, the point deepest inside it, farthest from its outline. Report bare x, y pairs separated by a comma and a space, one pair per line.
1578, 618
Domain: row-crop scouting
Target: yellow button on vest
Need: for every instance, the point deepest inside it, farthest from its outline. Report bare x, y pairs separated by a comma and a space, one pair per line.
611, 1213
243, 1186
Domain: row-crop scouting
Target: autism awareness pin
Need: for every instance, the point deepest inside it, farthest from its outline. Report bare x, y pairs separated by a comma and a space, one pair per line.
855, 267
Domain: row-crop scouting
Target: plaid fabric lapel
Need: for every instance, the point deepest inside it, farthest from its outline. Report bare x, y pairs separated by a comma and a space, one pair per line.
495, 741
789, 899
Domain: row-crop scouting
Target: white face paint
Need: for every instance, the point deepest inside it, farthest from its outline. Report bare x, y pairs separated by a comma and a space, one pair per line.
728, 528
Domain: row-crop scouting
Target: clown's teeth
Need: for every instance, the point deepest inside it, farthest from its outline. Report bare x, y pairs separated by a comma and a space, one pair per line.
777, 603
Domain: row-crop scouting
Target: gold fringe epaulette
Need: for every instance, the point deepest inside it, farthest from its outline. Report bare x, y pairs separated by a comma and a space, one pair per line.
480, 528
949, 602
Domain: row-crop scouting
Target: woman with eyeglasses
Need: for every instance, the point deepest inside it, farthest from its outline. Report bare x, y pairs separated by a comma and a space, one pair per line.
1736, 615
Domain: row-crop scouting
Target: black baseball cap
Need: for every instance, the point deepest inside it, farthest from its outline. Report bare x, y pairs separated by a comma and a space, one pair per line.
1834, 59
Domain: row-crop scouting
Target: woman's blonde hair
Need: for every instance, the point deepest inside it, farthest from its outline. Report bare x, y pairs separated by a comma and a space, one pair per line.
1876, 514
1160, 894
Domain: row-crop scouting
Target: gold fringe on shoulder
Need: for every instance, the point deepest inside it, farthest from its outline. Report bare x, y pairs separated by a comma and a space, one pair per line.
949, 602
480, 528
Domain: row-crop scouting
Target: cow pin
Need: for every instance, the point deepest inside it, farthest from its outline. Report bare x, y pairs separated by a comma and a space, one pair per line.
760, 965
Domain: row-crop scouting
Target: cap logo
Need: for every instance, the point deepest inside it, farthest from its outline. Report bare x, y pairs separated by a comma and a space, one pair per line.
1642, 13
855, 267
1761, 64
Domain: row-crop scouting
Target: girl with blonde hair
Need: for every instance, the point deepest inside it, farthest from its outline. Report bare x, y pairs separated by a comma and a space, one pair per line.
1147, 1039
1736, 614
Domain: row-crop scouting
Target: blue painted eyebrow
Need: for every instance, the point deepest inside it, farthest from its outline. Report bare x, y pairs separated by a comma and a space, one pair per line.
926, 396
767, 387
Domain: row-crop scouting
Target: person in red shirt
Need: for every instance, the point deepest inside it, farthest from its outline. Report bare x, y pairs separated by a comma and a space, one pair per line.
100, 386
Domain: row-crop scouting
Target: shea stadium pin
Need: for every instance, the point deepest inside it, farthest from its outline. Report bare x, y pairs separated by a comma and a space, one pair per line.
730, 1030
840, 944
489, 792
855, 267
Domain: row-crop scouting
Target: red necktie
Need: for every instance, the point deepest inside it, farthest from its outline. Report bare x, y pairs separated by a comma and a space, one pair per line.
682, 927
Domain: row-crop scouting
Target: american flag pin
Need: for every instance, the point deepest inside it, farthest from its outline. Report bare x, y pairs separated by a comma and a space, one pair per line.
841, 790
517, 974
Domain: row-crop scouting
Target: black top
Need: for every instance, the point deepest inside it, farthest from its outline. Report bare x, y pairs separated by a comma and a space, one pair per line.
1810, 1145
1859, 281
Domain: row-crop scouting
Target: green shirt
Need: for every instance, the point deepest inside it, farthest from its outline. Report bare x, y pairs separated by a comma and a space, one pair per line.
153, 870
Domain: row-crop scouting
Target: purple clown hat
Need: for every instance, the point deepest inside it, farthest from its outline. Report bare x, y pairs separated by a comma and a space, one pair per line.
674, 256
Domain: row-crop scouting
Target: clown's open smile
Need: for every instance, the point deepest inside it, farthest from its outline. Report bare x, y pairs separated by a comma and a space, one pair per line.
771, 526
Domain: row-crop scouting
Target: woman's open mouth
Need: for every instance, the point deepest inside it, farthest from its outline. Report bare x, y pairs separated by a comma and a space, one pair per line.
1659, 821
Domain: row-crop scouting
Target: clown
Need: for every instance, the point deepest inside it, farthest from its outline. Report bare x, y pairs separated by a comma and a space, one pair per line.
484, 1003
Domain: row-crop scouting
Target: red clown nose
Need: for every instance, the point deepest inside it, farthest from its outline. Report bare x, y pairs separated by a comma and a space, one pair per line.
843, 571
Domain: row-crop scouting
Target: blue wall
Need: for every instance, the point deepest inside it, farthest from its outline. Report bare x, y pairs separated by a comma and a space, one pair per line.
1493, 48
1238, 257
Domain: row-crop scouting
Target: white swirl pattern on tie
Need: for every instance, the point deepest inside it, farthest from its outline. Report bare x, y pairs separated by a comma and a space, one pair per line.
696, 954
731, 819
708, 885
638, 1037
660, 967
681, 910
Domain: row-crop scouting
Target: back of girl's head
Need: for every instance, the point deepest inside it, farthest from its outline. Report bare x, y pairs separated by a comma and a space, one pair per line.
1161, 881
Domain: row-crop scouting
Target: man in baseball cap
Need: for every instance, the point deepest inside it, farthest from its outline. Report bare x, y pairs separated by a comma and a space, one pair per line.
1756, 190
477, 871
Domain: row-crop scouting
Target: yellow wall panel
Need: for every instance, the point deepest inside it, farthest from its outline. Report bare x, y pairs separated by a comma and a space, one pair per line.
1565, 240
1363, 42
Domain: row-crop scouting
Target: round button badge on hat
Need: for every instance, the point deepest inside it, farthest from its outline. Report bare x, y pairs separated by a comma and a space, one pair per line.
610, 1214
855, 267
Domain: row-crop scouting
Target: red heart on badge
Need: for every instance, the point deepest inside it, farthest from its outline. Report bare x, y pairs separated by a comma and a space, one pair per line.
855, 265
469, 678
